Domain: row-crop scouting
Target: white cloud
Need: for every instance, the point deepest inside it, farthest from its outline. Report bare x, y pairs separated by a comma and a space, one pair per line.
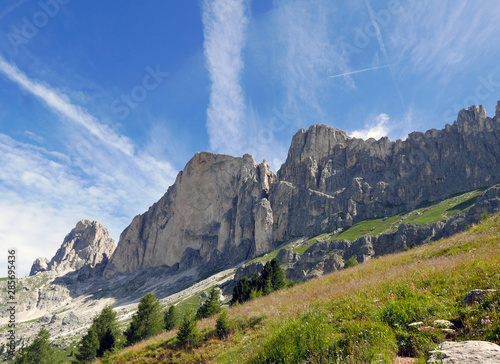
44, 193
444, 37
305, 54
376, 129
225, 24
61, 104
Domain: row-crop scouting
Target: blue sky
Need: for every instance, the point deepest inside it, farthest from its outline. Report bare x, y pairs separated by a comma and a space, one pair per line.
102, 103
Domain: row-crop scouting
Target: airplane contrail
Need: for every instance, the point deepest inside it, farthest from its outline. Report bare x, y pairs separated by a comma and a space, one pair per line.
365, 70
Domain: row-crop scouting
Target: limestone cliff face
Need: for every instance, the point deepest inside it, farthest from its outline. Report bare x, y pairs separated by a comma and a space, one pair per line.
217, 212
331, 180
222, 210
86, 246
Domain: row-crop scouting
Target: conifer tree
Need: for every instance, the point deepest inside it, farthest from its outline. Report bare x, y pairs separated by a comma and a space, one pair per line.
89, 345
188, 332
147, 321
278, 278
39, 352
105, 329
211, 306
222, 326
169, 318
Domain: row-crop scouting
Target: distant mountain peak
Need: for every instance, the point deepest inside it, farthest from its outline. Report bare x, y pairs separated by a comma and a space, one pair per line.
87, 245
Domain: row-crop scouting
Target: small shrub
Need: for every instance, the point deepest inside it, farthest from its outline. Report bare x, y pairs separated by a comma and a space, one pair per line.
188, 334
351, 262
222, 326
485, 216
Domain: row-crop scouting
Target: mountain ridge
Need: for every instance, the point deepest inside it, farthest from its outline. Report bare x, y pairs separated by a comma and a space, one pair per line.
224, 209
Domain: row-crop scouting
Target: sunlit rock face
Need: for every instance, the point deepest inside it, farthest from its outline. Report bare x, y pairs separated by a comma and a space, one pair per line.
216, 213
86, 246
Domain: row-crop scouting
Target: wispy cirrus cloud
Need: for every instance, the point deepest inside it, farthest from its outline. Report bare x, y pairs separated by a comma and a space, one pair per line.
445, 37
62, 105
102, 175
225, 24
306, 53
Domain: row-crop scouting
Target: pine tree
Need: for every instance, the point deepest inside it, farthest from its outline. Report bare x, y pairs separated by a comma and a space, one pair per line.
107, 342
147, 321
106, 327
266, 279
39, 352
169, 318
211, 306
241, 292
222, 326
188, 332
89, 345
278, 278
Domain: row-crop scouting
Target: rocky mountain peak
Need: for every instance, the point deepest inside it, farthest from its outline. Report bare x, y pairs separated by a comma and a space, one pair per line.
473, 120
87, 245
222, 210
217, 212
319, 140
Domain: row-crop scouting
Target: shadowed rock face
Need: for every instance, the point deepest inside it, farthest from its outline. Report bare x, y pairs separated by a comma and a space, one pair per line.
222, 210
86, 246
331, 180
216, 213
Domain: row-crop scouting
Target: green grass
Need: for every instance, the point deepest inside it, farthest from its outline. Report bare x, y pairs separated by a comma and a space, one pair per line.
361, 314
367, 227
302, 248
445, 209
430, 213
266, 257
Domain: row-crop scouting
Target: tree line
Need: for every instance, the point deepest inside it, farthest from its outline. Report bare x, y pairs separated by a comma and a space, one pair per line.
104, 335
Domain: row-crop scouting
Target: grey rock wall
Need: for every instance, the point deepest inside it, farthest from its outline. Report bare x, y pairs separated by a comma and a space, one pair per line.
217, 213
86, 246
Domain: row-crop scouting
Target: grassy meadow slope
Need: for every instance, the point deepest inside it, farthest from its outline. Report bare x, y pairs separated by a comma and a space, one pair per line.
360, 314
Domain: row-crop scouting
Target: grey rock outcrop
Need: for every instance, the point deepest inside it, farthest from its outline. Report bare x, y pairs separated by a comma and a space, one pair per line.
327, 256
287, 256
217, 213
482, 352
477, 295
88, 245
248, 270
331, 180
39, 265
